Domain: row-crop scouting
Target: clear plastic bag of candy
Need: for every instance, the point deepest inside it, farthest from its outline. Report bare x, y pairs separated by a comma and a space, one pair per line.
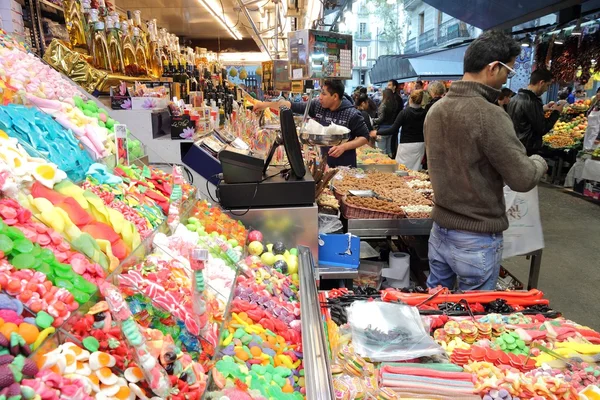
389, 332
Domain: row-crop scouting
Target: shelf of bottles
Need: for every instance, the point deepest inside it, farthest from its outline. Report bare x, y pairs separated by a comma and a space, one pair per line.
126, 44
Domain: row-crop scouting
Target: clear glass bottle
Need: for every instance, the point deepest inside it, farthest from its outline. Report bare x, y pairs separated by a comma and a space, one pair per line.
155, 61
115, 49
76, 24
100, 47
140, 51
129, 58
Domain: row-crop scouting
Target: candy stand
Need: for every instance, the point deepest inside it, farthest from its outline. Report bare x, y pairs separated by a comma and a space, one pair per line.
117, 283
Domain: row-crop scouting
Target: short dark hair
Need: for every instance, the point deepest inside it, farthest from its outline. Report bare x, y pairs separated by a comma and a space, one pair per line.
335, 87
394, 82
419, 83
563, 94
489, 47
540, 74
504, 93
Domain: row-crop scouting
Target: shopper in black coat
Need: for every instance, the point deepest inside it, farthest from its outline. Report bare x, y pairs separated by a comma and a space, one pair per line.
527, 111
395, 87
387, 110
411, 119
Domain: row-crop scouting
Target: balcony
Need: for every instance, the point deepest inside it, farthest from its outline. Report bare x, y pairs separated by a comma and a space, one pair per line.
427, 40
362, 36
411, 4
410, 46
451, 30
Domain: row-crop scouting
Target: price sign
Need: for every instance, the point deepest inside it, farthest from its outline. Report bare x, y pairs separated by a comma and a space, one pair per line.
121, 142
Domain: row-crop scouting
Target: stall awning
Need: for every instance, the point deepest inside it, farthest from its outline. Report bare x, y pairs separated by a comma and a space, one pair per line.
439, 65
500, 14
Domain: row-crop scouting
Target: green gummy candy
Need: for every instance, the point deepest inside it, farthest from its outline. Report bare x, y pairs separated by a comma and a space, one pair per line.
63, 283
14, 233
84, 285
87, 112
91, 344
101, 124
78, 101
23, 245
294, 252
58, 266
44, 320
6, 244
22, 261
279, 380
36, 250
110, 123
46, 255
65, 274
80, 296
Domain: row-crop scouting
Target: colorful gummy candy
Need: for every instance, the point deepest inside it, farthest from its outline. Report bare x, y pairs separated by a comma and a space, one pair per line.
43, 136
16, 216
212, 219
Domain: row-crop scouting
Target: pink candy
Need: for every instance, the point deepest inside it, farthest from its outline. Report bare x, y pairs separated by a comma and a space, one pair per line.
14, 215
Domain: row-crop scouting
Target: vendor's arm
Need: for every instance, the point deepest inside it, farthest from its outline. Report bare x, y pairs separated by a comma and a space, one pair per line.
394, 128
359, 130
275, 105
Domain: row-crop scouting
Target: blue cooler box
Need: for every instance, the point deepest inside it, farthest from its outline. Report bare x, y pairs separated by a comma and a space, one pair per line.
339, 250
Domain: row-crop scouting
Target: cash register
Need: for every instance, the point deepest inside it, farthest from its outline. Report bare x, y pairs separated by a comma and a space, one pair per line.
249, 181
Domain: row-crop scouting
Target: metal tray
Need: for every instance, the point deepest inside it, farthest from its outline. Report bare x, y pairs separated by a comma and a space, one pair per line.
379, 167
324, 140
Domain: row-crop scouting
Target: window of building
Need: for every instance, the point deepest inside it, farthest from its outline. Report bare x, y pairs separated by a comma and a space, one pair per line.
421, 23
362, 28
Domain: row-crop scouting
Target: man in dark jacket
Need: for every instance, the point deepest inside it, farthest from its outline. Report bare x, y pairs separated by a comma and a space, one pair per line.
394, 86
332, 107
527, 111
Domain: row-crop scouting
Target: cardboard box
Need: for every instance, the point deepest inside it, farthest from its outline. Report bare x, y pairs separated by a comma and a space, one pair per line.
149, 103
11, 5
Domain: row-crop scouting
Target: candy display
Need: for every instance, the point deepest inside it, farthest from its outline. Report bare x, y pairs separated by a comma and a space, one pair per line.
497, 346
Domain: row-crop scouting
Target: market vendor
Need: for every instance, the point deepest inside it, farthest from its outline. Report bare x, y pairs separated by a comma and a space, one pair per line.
332, 107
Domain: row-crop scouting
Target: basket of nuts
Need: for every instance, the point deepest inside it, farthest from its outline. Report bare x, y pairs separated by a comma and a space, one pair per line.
354, 207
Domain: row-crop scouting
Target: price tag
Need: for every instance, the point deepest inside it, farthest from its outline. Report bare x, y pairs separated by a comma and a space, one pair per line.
200, 254
297, 73
122, 145
120, 130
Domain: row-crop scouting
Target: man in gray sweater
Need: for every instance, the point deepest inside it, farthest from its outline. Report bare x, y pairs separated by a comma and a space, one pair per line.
472, 152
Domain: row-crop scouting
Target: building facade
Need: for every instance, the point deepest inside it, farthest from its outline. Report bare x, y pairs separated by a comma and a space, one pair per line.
430, 29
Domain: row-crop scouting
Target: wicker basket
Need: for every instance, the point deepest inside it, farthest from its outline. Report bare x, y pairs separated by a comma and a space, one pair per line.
352, 212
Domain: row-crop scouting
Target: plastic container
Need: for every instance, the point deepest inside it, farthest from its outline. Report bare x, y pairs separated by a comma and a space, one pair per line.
369, 274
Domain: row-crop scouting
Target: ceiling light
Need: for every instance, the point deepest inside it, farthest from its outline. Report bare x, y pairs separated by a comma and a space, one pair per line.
559, 39
224, 23
526, 41
577, 30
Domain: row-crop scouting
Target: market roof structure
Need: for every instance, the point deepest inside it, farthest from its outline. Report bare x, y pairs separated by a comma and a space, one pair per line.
501, 14
444, 64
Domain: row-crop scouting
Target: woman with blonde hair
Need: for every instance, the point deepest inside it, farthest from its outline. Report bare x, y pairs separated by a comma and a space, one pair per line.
436, 90
411, 149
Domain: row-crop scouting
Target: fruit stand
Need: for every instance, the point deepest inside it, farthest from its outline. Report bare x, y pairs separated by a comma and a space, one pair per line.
564, 141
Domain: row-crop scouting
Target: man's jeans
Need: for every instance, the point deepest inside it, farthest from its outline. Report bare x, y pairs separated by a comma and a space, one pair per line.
473, 258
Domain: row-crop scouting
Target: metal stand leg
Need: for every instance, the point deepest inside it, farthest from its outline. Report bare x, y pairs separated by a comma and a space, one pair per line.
534, 269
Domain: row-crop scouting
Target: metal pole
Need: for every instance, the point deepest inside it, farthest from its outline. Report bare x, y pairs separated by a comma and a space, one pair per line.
276, 29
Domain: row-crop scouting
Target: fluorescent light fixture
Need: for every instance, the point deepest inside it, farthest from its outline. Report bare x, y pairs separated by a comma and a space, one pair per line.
241, 57
526, 41
222, 20
577, 30
559, 39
